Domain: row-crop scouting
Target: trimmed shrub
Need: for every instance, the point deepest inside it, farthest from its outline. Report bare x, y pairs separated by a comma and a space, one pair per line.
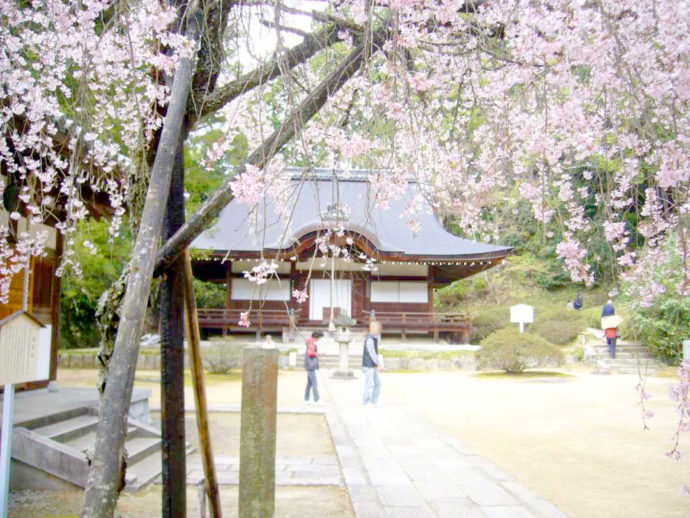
512, 351
488, 321
221, 357
558, 326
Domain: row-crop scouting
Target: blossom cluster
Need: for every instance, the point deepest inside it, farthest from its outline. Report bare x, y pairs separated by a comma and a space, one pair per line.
79, 89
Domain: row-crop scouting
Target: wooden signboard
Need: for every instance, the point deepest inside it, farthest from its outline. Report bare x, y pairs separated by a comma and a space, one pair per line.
522, 314
24, 349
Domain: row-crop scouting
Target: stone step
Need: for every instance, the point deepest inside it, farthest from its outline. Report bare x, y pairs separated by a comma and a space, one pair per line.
83, 442
611, 362
146, 469
140, 447
63, 431
623, 370
331, 361
604, 353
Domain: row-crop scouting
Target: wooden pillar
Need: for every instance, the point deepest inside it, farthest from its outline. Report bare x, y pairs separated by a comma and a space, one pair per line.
430, 287
293, 283
55, 308
258, 432
172, 351
228, 291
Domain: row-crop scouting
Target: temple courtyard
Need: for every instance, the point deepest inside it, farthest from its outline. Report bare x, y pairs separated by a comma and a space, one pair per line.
451, 444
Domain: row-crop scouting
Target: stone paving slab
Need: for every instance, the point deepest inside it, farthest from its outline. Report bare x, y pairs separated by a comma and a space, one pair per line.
323, 470
395, 463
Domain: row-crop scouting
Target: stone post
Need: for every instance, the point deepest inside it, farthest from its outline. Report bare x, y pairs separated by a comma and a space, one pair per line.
258, 432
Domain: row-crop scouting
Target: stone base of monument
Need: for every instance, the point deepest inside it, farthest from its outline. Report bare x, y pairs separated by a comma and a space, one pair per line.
346, 374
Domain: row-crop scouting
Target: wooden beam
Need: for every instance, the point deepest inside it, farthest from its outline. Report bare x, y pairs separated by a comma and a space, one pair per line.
211, 482
172, 297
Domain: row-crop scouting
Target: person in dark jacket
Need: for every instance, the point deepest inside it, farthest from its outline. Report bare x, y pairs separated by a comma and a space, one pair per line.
371, 363
311, 363
577, 303
608, 309
610, 333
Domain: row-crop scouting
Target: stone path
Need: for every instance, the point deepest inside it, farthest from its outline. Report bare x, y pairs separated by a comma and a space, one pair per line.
395, 464
320, 470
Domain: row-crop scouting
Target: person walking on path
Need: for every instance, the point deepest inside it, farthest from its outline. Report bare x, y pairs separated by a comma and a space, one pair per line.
610, 332
608, 309
371, 363
311, 363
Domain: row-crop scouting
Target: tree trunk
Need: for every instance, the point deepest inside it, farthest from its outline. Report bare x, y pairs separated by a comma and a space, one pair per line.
100, 498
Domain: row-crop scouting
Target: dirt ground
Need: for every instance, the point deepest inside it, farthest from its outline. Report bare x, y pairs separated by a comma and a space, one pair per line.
577, 441
221, 389
297, 435
291, 502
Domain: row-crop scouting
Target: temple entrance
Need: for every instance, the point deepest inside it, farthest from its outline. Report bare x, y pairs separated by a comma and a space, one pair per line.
320, 298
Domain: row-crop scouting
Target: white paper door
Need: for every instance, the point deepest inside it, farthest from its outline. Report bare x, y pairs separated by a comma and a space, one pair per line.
320, 297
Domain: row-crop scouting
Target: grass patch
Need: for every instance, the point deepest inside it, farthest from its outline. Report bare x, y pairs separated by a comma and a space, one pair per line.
525, 375
426, 355
90, 351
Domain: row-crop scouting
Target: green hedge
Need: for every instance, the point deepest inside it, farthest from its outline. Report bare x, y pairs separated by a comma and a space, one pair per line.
512, 351
488, 321
558, 326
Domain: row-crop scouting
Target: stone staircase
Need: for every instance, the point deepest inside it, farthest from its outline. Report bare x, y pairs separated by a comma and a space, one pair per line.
58, 445
629, 358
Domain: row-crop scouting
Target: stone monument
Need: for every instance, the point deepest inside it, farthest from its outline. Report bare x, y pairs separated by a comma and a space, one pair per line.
343, 323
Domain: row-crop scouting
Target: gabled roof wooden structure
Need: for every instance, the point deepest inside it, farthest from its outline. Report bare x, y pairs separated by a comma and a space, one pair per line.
325, 198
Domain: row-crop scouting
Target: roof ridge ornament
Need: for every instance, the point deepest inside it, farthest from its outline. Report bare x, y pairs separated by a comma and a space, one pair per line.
334, 212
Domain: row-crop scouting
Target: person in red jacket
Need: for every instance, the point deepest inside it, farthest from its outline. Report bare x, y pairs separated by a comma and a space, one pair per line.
311, 363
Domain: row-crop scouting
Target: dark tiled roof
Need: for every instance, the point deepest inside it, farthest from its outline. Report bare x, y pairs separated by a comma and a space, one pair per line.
310, 197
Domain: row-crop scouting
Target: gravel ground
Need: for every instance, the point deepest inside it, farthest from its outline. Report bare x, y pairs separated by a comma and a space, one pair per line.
577, 441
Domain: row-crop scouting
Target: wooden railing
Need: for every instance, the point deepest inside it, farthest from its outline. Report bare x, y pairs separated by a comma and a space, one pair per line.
226, 318
435, 323
392, 321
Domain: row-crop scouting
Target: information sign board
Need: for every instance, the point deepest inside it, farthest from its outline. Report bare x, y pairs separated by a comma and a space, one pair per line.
24, 349
522, 314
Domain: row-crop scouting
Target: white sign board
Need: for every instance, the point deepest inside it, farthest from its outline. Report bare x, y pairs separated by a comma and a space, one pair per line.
24, 350
522, 314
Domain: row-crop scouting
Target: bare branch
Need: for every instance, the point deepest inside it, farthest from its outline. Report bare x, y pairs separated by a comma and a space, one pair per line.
293, 30
174, 246
266, 72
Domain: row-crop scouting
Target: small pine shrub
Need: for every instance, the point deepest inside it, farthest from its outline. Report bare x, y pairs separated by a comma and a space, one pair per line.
558, 326
512, 351
221, 357
488, 321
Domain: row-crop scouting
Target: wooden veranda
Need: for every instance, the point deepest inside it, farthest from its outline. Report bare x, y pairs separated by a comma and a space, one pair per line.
403, 323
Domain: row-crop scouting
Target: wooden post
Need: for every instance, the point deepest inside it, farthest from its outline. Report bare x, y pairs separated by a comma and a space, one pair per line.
228, 292
211, 483
258, 432
172, 296
55, 308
